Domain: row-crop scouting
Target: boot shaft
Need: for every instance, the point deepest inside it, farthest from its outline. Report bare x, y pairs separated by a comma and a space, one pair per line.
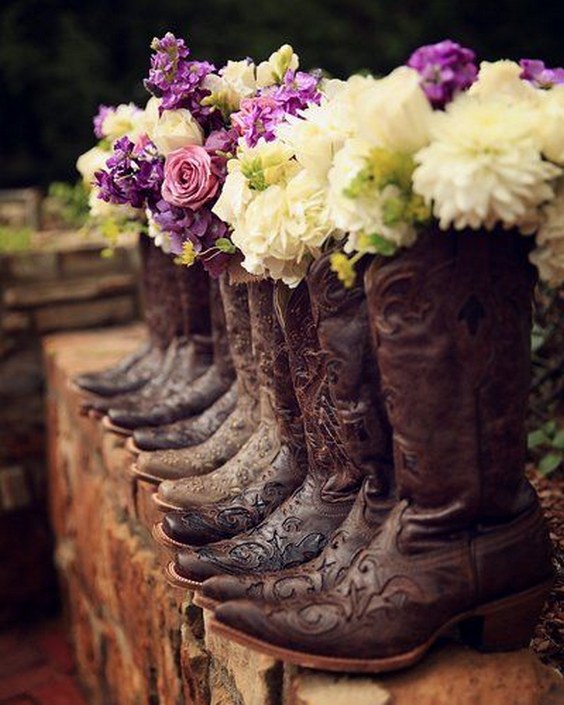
451, 319
341, 319
160, 294
238, 327
220, 342
194, 297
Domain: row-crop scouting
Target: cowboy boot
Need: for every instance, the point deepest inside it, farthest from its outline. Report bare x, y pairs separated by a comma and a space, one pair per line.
466, 545
134, 371
341, 320
157, 466
299, 529
187, 432
268, 468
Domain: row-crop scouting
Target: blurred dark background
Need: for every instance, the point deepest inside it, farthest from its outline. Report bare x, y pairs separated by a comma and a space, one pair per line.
60, 58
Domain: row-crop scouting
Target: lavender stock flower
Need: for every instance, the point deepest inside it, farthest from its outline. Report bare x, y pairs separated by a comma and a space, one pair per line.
131, 176
103, 111
539, 75
446, 68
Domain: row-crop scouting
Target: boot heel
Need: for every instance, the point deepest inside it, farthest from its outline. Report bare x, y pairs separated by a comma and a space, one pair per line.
505, 625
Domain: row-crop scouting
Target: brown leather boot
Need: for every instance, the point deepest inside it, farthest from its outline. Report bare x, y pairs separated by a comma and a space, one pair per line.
190, 358
257, 485
300, 528
466, 545
341, 320
235, 431
136, 370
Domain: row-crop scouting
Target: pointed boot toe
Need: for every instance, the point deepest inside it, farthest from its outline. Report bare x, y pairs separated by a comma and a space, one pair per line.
189, 565
224, 588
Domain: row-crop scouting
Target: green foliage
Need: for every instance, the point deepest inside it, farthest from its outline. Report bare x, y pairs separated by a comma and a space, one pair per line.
547, 444
14, 239
71, 201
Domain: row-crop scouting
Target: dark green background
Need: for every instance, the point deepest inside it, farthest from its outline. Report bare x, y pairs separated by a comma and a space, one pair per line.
60, 59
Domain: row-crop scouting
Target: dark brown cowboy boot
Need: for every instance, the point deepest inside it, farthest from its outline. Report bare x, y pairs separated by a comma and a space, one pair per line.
342, 325
466, 545
190, 357
299, 529
187, 432
136, 370
234, 432
279, 438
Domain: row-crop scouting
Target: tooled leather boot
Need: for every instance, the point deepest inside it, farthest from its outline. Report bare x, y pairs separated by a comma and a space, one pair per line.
466, 546
299, 529
189, 357
341, 320
186, 432
157, 466
136, 370
264, 482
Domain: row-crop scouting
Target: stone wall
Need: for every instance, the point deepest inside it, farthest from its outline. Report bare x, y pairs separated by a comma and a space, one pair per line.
140, 641
61, 283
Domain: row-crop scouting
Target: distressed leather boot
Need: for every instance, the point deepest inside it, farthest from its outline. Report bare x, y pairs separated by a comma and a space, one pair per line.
300, 528
341, 320
189, 357
157, 466
187, 432
466, 545
136, 370
269, 467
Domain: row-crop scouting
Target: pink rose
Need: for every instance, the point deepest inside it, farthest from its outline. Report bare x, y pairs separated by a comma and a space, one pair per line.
189, 180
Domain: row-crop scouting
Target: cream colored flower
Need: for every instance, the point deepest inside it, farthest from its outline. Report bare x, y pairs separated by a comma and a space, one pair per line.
393, 111
552, 122
236, 81
235, 195
120, 122
175, 129
102, 210
146, 120
90, 162
266, 163
272, 71
484, 165
549, 253
501, 80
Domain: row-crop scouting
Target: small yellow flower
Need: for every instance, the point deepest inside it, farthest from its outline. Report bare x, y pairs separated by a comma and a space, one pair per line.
343, 268
188, 255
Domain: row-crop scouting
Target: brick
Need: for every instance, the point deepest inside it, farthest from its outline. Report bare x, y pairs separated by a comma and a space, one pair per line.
116, 309
39, 294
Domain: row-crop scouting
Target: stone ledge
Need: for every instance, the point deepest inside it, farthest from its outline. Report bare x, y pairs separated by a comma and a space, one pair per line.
141, 641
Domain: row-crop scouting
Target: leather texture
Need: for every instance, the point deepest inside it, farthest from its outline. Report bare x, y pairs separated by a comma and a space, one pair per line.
451, 319
240, 424
345, 434
136, 370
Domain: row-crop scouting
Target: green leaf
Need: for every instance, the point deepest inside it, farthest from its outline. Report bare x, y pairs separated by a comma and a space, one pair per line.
550, 428
550, 462
558, 440
223, 244
382, 246
536, 438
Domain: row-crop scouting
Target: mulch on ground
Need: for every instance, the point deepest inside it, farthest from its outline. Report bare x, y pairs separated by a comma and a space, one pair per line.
549, 637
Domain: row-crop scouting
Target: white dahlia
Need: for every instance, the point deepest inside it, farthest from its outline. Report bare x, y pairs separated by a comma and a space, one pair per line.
484, 165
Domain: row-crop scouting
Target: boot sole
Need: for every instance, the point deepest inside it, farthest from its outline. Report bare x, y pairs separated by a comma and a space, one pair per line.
165, 540
502, 625
206, 603
141, 475
173, 578
119, 430
165, 506
132, 447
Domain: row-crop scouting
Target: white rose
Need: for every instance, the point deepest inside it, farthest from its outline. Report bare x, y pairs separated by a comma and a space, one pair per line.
175, 129
103, 210
234, 197
145, 120
272, 71
394, 112
120, 122
90, 162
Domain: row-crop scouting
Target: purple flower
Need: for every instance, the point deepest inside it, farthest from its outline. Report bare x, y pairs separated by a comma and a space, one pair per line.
132, 175
103, 112
202, 228
298, 90
446, 69
177, 80
258, 117
219, 144
536, 73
